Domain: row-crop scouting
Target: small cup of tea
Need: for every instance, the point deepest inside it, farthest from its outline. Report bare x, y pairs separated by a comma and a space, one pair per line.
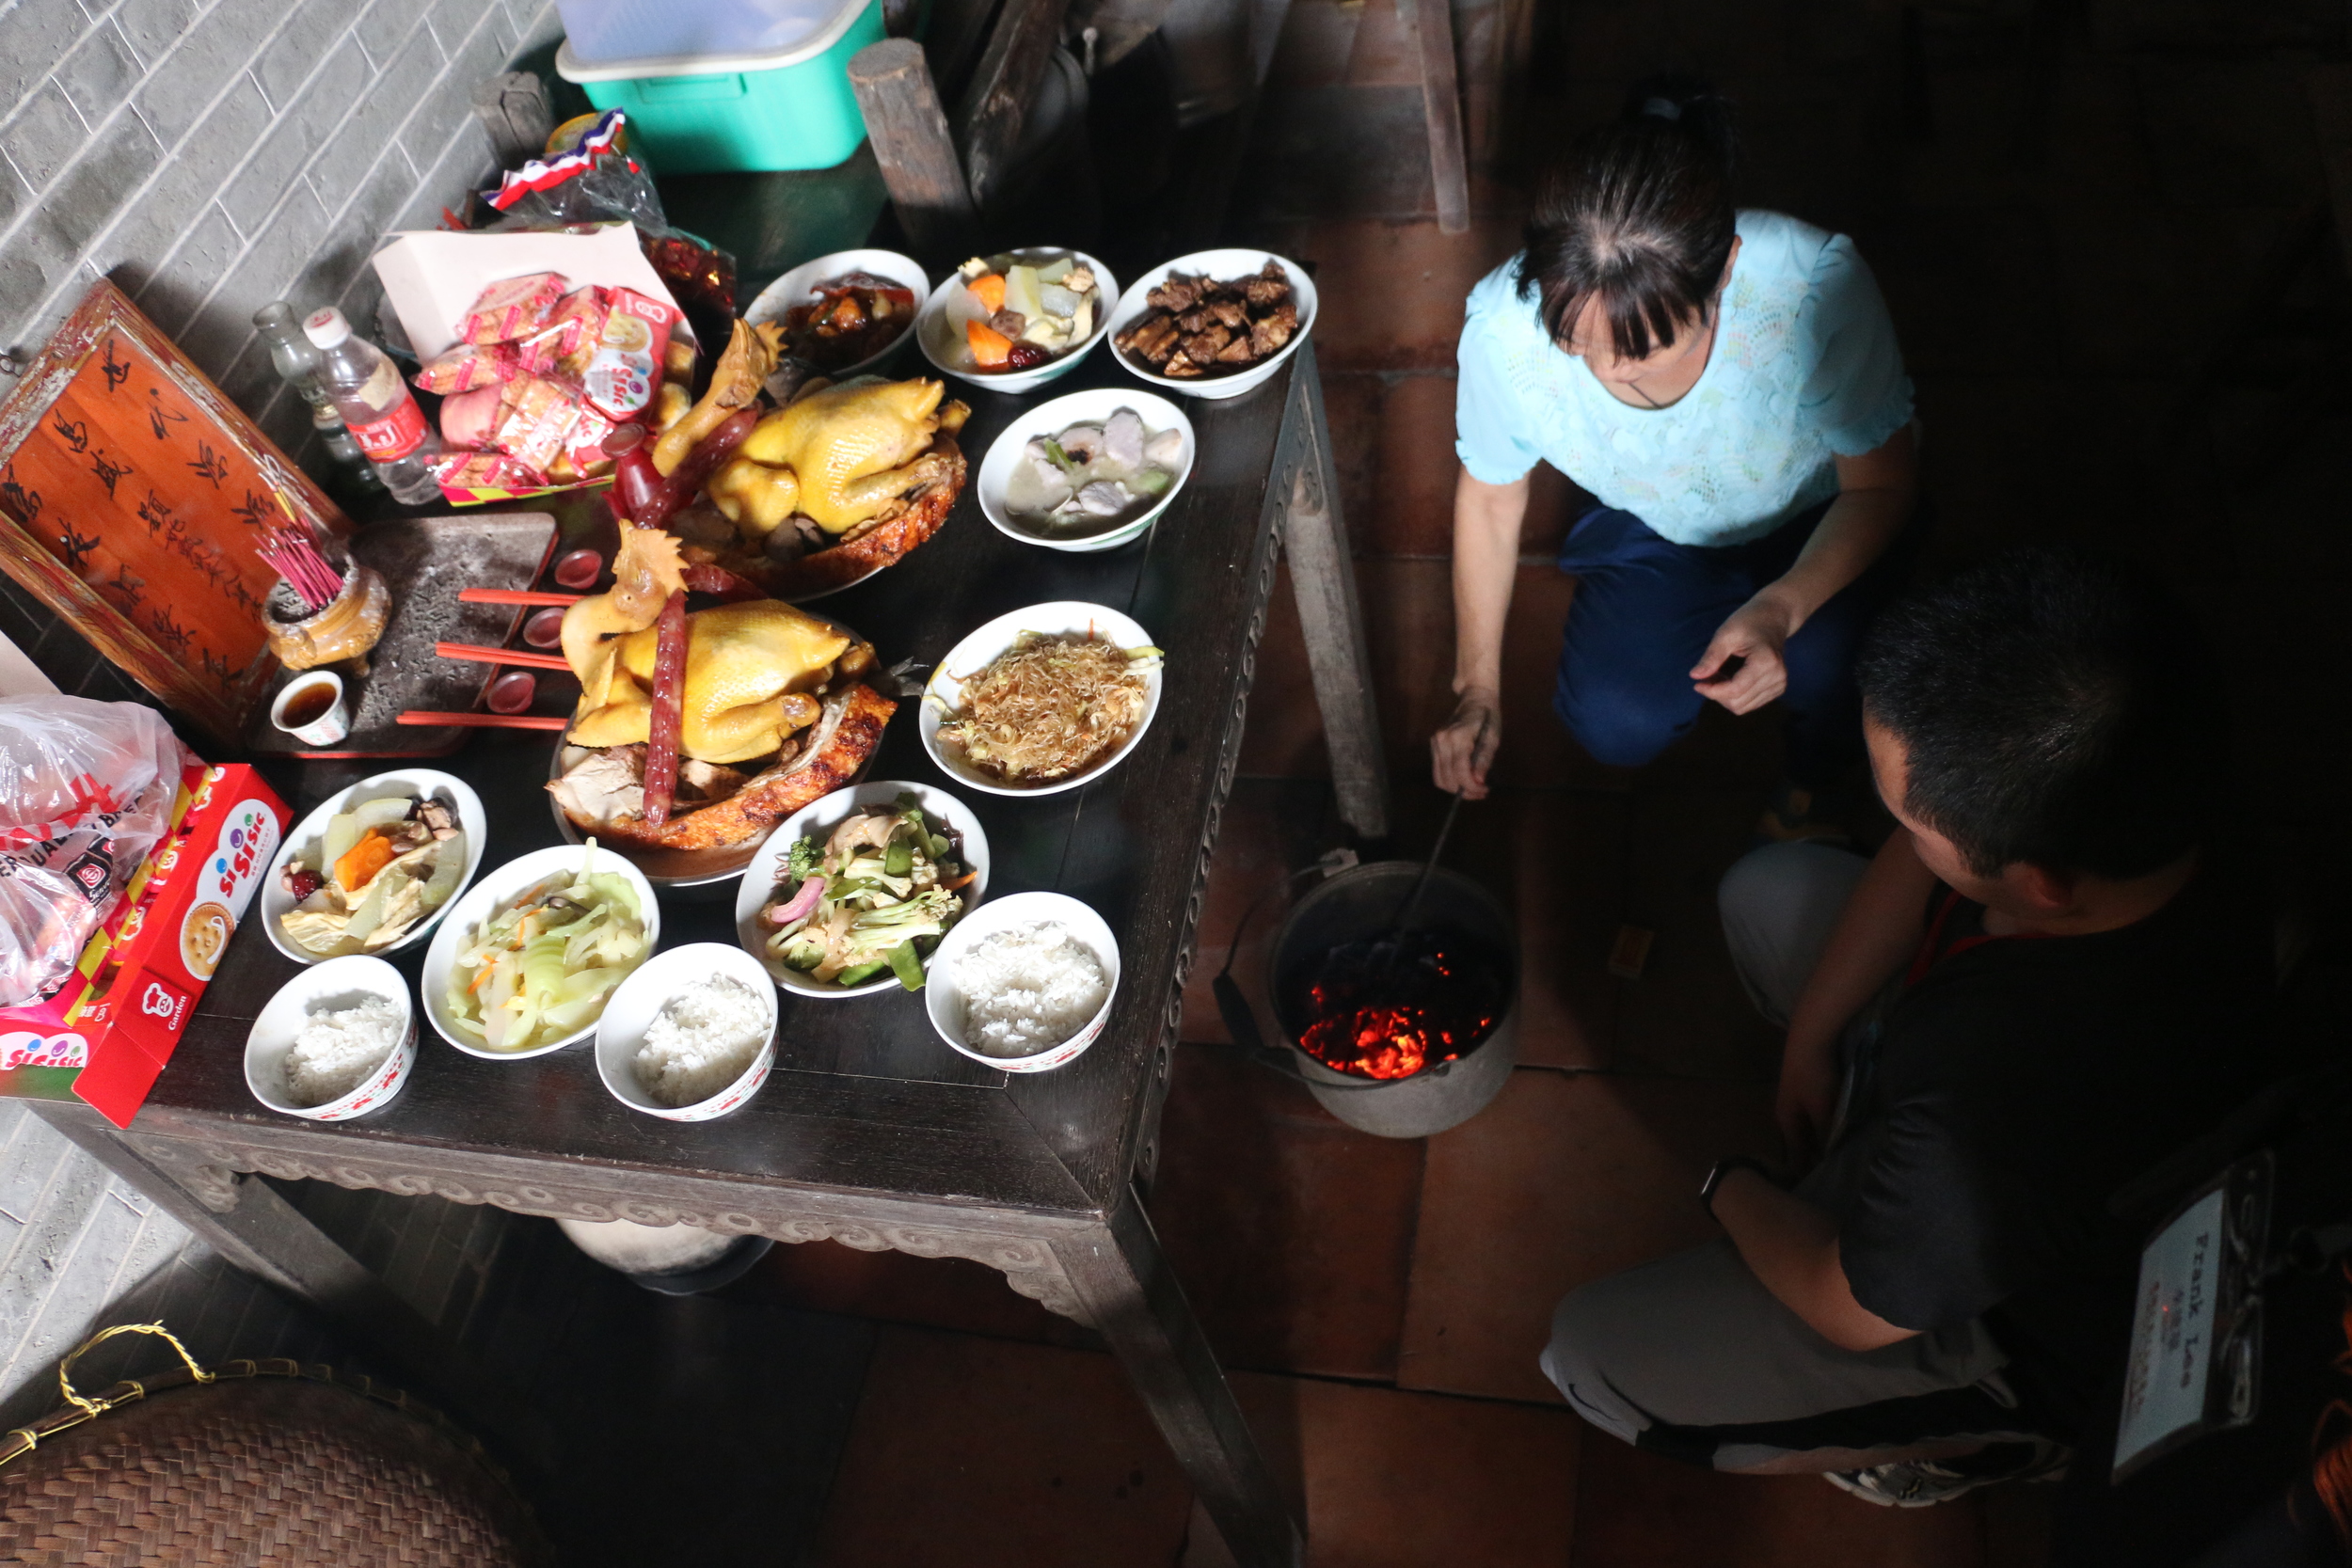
313, 709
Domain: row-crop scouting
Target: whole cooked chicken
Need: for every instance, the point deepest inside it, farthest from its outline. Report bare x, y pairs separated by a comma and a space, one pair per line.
750, 669
841, 457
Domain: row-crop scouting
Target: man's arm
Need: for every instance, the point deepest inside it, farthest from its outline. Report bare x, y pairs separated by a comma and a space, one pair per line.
1792, 1247
1879, 931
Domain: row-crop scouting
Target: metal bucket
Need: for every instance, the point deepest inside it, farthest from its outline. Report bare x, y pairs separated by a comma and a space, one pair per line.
1358, 905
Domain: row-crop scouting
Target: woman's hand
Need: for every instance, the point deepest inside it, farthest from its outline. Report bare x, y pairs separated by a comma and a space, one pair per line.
1754, 635
1464, 750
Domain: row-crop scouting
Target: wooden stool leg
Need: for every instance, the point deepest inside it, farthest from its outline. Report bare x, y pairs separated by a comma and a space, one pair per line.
908, 131
1431, 23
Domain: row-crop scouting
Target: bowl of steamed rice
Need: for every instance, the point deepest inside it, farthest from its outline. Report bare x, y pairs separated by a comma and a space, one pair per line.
336, 1042
691, 1035
1024, 983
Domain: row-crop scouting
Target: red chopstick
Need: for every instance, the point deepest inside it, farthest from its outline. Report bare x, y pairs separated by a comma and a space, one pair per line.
500, 655
516, 596
486, 720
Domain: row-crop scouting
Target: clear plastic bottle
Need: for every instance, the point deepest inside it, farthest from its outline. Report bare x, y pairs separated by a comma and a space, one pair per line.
379, 408
297, 363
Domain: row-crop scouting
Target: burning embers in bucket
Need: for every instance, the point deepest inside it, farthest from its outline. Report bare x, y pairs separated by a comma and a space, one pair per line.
1391, 1008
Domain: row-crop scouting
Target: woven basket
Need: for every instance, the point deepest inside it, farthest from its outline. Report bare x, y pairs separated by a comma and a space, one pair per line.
254, 1462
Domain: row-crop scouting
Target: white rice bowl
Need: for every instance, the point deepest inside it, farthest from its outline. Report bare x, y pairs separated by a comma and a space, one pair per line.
342, 1053
700, 1050
1005, 976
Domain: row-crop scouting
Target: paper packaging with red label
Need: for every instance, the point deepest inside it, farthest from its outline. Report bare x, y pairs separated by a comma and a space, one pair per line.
468, 366
626, 369
105, 1034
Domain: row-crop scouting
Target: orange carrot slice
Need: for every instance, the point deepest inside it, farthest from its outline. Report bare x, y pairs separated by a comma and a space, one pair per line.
989, 289
991, 349
362, 861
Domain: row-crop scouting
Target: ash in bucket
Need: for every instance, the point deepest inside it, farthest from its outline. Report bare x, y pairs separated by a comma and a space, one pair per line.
1390, 1009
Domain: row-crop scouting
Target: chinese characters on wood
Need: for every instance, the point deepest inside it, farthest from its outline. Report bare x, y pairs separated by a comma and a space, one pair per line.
132, 496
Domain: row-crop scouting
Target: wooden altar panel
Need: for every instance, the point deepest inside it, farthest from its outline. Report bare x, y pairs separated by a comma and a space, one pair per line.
132, 496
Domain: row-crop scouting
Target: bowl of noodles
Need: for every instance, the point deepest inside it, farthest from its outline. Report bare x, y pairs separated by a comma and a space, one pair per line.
1044, 698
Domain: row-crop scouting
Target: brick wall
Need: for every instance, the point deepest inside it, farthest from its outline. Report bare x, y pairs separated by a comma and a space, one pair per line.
212, 155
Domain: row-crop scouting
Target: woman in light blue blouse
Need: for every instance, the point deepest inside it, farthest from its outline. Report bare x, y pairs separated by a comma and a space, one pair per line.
1727, 386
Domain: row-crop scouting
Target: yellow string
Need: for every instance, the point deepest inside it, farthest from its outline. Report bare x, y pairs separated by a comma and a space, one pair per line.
65, 1368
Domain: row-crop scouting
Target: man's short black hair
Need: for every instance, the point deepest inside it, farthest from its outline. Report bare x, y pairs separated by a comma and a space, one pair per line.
2055, 709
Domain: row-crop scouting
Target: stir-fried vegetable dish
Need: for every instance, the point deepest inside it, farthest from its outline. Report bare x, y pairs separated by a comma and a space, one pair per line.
379, 868
543, 963
1049, 707
872, 898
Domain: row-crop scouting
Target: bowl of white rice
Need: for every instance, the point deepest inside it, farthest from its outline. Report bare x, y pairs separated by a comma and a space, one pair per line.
1024, 983
691, 1035
336, 1042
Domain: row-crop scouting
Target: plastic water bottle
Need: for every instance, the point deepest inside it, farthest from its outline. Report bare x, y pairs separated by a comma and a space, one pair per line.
297, 363
377, 408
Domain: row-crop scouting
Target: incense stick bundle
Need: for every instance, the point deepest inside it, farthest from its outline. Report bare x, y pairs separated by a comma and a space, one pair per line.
292, 556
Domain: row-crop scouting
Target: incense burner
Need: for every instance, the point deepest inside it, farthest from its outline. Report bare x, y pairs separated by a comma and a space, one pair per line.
344, 632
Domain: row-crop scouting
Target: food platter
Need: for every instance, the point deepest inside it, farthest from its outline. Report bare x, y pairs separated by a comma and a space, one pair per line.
795, 287
937, 329
1047, 420
943, 696
1231, 262
276, 901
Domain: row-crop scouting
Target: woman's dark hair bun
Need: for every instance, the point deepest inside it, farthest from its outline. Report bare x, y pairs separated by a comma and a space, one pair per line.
1637, 218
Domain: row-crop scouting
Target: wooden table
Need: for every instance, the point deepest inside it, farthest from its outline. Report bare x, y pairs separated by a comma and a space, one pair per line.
870, 1132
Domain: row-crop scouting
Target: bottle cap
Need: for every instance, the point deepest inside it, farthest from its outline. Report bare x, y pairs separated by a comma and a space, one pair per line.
326, 328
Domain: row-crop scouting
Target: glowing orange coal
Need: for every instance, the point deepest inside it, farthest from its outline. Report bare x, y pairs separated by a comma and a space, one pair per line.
1392, 1019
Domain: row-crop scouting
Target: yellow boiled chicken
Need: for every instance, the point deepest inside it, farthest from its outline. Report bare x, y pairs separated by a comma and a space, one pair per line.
840, 456
749, 668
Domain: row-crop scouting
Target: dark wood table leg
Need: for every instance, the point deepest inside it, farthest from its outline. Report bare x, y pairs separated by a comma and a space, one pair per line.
1322, 579
244, 1220
1431, 23
1134, 1301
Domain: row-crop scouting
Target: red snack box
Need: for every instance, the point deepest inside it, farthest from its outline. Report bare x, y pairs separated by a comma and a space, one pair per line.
625, 371
512, 307
468, 366
538, 416
106, 1033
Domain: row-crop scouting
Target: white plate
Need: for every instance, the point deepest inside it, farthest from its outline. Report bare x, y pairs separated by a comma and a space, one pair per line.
1223, 265
943, 999
939, 331
631, 1008
1092, 406
339, 983
798, 286
943, 693
763, 878
412, 782
495, 888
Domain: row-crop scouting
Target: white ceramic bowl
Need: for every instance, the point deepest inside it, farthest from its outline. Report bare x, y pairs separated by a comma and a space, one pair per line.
495, 888
940, 333
1092, 406
1222, 265
943, 695
630, 1010
330, 983
764, 876
798, 286
412, 782
944, 997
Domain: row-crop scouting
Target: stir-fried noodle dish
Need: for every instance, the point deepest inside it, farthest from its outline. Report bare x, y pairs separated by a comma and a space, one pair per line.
1050, 707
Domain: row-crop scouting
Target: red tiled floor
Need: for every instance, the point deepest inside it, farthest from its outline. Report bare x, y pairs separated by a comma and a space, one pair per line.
900, 1288
1687, 1015
1409, 630
1561, 1180
1271, 828
1392, 293
1413, 500
1283, 738
1570, 850
969, 1452
1397, 1480
1290, 1231
1637, 1510
1352, 403
1318, 36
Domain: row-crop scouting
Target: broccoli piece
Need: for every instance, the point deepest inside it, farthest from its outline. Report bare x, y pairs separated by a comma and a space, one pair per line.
802, 862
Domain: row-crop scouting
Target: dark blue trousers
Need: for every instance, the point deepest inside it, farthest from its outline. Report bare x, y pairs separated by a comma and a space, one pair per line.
1647, 607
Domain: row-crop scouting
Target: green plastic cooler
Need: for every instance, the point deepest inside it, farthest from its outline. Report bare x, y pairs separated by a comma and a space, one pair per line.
708, 113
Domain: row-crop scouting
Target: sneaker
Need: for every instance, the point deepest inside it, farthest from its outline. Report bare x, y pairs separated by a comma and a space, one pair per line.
1796, 815
1925, 1482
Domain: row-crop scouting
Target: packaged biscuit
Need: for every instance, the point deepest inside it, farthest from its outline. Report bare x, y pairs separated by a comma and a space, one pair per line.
512, 307
626, 370
469, 366
537, 417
